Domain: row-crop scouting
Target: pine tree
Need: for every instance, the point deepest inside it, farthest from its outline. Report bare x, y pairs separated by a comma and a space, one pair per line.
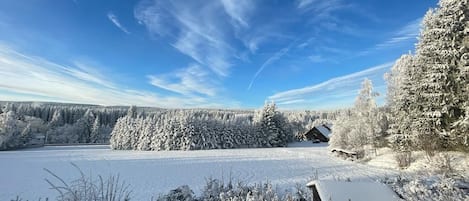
95, 131
132, 112
438, 56
401, 99
272, 131
84, 126
26, 135
460, 132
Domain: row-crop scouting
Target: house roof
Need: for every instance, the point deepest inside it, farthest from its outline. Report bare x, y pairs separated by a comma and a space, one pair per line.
362, 191
324, 131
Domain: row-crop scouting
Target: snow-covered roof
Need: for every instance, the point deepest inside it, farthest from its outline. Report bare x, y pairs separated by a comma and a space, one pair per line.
362, 191
326, 132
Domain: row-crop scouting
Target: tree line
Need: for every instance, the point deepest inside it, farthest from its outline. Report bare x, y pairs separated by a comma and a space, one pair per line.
58, 123
165, 129
195, 129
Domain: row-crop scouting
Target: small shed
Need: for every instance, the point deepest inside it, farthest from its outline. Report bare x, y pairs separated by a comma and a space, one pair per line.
330, 190
319, 133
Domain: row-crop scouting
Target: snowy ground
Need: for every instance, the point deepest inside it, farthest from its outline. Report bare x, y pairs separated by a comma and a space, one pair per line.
152, 173
421, 163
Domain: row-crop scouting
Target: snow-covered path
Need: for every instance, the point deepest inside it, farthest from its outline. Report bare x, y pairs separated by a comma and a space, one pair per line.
151, 173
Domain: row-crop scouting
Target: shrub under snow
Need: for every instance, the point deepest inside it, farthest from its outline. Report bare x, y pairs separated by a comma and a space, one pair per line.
430, 188
216, 190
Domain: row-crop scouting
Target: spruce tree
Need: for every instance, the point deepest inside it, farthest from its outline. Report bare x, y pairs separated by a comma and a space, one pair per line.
95, 130
438, 56
401, 99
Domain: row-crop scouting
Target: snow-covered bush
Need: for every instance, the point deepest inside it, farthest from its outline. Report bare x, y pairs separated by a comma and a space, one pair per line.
430, 188
442, 163
182, 193
403, 159
216, 190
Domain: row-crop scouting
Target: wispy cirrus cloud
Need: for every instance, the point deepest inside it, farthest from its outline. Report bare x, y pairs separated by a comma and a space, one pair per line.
322, 9
276, 56
32, 78
239, 11
190, 81
113, 18
338, 91
198, 30
301, 4
406, 33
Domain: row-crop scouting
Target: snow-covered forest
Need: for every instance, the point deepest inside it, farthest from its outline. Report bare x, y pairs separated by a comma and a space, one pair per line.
151, 128
20, 122
427, 105
212, 129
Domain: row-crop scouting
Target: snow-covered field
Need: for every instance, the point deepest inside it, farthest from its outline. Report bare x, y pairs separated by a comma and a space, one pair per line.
152, 173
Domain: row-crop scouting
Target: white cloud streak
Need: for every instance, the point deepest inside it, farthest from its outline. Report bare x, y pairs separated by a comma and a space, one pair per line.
278, 55
304, 3
190, 81
238, 10
322, 9
333, 92
408, 32
404, 34
32, 78
115, 21
200, 29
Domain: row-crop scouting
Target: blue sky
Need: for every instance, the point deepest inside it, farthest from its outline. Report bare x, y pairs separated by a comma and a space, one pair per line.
303, 54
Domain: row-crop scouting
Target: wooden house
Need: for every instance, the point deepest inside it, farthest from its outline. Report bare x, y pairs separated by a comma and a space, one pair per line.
319, 133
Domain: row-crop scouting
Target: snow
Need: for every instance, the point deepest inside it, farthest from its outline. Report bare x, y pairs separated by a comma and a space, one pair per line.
362, 190
324, 131
153, 173
385, 159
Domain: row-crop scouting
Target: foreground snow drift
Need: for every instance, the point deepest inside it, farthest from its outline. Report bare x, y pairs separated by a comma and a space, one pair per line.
152, 173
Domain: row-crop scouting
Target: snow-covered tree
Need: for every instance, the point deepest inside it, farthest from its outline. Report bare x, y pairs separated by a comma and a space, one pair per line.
95, 131
26, 135
367, 127
10, 131
272, 127
428, 92
401, 99
132, 112
340, 131
359, 127
85, 125
438, 54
